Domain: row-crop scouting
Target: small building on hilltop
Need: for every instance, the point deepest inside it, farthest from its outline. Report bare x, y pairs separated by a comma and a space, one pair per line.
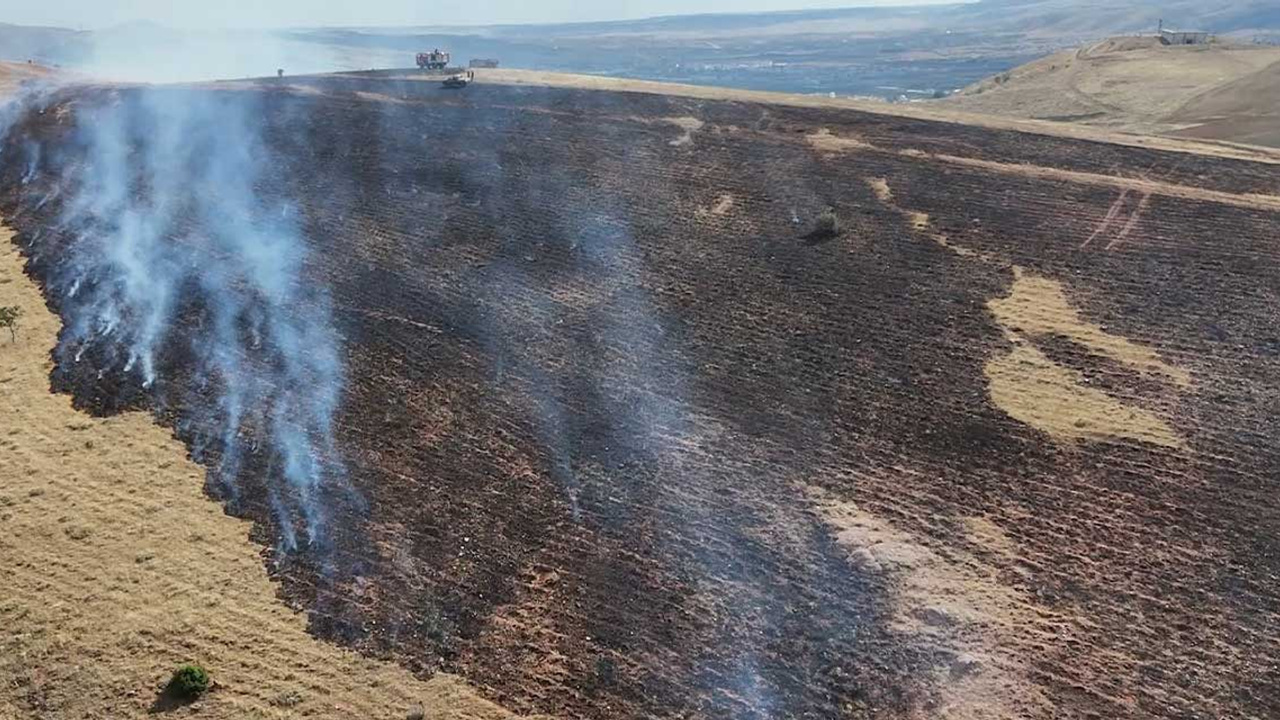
1183, 37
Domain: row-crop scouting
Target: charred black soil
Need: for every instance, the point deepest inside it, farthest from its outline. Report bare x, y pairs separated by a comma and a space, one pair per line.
603, 394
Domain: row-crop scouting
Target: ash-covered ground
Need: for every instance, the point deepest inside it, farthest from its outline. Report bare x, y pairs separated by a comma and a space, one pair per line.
583, 394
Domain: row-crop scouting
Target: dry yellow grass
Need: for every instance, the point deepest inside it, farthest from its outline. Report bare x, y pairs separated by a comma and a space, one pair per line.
1035, 390
955, 602
919, 221
116, 568
690, 125
934, 111
827, 142
878, 185
1128, 84
1252, 201
941, 112
12, 74
1038, 306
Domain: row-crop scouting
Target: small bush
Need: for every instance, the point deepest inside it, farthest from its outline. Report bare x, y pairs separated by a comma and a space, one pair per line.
825, 227
189, 682
828, 223
9, 319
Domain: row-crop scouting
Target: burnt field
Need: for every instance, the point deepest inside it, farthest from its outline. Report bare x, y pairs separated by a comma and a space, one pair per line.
633, 434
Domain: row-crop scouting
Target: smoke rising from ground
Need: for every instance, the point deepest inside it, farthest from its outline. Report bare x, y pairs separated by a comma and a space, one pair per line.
148, 53
168, 228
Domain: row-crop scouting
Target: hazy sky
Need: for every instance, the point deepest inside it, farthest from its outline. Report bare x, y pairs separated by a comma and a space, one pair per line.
90, 14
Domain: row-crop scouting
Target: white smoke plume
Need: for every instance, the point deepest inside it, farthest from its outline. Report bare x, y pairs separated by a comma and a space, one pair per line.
175, 252
157, 54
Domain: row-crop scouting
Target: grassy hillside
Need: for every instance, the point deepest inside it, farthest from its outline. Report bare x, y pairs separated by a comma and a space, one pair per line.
1138, 85
1246, 109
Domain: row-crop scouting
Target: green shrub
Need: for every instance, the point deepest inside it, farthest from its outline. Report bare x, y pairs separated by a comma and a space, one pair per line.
189, 682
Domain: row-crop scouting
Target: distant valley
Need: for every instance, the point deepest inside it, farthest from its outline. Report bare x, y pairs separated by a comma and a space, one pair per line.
891, 53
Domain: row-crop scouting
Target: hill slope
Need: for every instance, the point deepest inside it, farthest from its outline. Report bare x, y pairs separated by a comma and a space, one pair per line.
13, 75
1246, 110
117, 567
638, 430
1137, 85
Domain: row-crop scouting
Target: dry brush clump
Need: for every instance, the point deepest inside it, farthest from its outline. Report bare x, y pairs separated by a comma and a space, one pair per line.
825, 227
9, 319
